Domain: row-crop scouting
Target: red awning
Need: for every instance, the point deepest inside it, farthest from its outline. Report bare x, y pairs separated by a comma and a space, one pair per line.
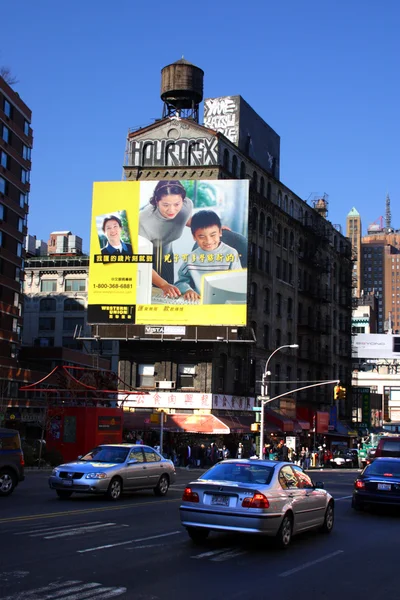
284, 423
305, 425
189, 423
239, 424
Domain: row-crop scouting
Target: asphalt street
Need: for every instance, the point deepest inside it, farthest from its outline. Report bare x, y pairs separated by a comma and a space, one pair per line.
88, 548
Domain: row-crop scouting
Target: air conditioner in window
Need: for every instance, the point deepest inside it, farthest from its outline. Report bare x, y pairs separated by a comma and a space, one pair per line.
269, 234
165, 385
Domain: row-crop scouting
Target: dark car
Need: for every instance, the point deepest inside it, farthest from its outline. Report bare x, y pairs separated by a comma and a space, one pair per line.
378, 483
11, 461
388, 446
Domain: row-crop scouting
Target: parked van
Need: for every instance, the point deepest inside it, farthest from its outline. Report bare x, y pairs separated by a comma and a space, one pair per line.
388, 446
11, 461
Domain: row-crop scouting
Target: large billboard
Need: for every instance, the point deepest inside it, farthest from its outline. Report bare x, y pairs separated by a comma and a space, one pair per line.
169, 252
375, 345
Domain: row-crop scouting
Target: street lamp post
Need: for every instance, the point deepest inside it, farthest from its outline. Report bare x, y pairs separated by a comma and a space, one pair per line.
264, 392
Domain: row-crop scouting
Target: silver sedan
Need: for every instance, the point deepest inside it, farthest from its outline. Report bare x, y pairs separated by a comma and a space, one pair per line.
113, 468
256, 496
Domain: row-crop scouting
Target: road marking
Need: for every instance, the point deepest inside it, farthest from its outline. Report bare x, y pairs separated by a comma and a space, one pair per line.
43, 530
12, 575
83, 511
343, 498
210, 553
70, 590
311, 563
228, 555
151, 537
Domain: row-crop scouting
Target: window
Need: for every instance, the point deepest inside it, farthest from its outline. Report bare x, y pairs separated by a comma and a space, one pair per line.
3, 186
7, 108
261, 225
280, 199
47, 304
266, 337
47, 323
75, 285
26, 128
48, 285
16, 299
136, 454
267, 300
145, 376
25, 176
254, 218
304, 482
279, 234
151, 455
17, 273
269, 191
287, 478
260, 256
226, 159
15, 325
1, 212
72, 304
22, 200
70, 323
186, 376
290, 308
278, 336
253, 295
262, 186
242, 170
44, 342
19, 249
278, 305
254, 180
26, 152
278, 267
234, 166
267, 262
4, 159
5, 134
238, 368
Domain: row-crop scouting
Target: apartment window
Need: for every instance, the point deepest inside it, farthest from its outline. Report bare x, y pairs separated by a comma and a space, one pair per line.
253, 295
260, 253
19, 249
22, 200
284, 270
70, 304
26, 128
47, 323
16, 299
234, 166
278, 338
47, 304
25, 176
4, 159
75, 285
20, 225
267, 300
7, 108
278, 305
186, 376
70, 323
3, 186
145, 377
5, 134
290, 308
278, 267
43, 342
1, 238
1, 212
267, 262
15, 325
48, 285
17, 273
238, 368
26, 152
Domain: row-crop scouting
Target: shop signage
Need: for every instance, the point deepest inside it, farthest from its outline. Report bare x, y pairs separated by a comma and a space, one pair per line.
227, 402
178, 400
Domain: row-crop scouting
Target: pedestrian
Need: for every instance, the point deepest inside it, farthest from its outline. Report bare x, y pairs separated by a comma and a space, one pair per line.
283, 451
225, 452
307, 459
239, 453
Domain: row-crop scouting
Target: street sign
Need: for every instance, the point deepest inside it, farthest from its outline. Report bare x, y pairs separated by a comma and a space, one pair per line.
257, 408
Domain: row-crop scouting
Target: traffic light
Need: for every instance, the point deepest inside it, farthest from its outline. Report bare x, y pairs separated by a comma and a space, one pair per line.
336, 392
255, 427
343, 393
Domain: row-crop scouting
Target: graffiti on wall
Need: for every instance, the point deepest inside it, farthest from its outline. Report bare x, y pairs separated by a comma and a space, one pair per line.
174, 153
222, 114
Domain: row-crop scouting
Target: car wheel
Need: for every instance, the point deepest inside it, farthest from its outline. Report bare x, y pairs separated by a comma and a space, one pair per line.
162, 486
63, 494
284, 535
198, 535
114, 489
356, 504
329, 519
8, 481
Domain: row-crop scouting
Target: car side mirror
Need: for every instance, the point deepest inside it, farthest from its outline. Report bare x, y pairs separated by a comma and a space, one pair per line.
80, 456
319, 484
133, 461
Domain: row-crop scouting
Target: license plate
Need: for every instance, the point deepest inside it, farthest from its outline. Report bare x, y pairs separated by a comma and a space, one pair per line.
220, 500
384, 486
67, 482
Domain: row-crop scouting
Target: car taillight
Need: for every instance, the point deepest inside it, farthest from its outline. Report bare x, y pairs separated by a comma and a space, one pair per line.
360, 485
21, 460
257, 501
190, 496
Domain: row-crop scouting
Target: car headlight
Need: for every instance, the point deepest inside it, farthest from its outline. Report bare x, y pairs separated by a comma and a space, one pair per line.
96, 476
55, 472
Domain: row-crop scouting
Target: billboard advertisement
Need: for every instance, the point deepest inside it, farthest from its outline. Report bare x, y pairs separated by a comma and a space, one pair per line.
376, 345
169, 252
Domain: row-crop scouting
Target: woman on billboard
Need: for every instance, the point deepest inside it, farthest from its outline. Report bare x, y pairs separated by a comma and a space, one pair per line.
162, 221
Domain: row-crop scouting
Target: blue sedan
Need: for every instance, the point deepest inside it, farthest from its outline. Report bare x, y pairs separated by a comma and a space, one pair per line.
379, 483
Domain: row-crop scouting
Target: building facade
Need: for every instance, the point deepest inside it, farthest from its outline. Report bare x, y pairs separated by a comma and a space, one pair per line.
16, 140
300, 272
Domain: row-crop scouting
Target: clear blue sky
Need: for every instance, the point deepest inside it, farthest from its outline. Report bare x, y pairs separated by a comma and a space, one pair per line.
323, 74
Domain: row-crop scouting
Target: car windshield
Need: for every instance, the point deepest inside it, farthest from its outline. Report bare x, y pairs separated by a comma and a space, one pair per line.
384, 468
240, 473
107, 454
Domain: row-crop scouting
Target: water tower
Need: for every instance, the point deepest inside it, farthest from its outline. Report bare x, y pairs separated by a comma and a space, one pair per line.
182, 90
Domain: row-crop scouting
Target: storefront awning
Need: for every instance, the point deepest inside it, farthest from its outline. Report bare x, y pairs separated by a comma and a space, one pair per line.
285, 424
304, 425
188, 423
343, 430
239, 424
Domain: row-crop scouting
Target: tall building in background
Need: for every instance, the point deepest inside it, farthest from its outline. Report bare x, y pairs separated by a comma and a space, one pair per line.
15, 166
354, 233
378, 267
